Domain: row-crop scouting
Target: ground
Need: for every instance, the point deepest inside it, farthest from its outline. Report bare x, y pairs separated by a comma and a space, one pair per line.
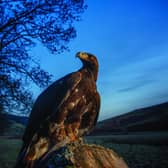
136, 155
9, 149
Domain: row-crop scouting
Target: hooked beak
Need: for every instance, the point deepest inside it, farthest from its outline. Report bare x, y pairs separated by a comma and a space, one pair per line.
82, 55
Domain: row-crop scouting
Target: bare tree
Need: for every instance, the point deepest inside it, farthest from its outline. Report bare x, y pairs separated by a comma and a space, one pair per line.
21, 22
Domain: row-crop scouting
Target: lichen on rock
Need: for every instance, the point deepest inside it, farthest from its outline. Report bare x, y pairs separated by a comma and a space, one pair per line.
82, 155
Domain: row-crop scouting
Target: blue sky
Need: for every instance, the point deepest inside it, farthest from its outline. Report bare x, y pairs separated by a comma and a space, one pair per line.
130, 40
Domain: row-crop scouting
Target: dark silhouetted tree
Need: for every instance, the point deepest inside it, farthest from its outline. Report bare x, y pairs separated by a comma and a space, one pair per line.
22, 24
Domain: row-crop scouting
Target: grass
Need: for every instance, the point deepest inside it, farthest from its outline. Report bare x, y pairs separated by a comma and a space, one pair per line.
142, 156
135, 155
8, 152
152, 138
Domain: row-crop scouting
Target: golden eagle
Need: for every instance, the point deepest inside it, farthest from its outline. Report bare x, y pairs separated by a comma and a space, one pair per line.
65, 111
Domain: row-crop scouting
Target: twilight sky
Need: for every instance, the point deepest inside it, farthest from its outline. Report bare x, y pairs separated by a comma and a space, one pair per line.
130, 40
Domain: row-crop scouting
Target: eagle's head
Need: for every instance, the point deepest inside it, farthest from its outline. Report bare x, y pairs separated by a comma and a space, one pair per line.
89, 61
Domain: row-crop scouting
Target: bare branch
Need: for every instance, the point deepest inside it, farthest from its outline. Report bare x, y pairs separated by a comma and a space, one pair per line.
50, 22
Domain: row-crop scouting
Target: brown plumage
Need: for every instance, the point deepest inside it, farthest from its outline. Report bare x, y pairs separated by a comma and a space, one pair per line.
65, 111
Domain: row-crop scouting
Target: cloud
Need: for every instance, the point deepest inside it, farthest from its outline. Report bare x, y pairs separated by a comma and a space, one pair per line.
136, 86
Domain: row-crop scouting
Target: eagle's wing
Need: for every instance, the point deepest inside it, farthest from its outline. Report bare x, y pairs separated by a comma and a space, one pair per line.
49, 101
80, 111
90, 115
69, 109
97, 107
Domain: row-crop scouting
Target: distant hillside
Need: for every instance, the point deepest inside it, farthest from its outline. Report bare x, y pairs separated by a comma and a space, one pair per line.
154, 118
12, 125
18, 119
